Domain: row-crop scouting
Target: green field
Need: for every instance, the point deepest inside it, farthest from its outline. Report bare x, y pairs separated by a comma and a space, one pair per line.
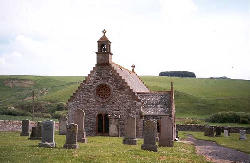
15, 148
194, 98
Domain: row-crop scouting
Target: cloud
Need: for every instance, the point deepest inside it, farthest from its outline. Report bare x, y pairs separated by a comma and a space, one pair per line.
59, 37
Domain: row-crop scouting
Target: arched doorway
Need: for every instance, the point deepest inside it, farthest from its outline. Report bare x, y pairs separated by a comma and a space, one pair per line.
102, 124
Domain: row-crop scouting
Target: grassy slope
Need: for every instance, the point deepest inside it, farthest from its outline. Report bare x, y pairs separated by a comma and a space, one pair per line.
98, 149
193, 97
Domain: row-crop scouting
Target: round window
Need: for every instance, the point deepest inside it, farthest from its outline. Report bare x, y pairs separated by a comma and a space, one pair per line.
103, 91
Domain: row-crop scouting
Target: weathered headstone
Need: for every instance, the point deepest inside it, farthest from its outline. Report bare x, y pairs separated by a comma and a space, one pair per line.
157, 137
25, 128
166, 134
114, 127
71, 136
48, 134
79, 120
62, 125
36, 133
218, 131
209, 131
243, 135
176, 134
226, 133
149, 135
130, 131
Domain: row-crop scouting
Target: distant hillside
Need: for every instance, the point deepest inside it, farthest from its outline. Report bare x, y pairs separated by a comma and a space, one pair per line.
193, 97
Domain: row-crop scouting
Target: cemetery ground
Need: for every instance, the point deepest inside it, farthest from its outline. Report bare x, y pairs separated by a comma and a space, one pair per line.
16, 148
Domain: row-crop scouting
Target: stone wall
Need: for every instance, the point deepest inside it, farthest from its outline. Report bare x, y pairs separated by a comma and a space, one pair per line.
202, 127
10, 125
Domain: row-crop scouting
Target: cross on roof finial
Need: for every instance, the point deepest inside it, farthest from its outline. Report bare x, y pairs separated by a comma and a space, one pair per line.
104, 31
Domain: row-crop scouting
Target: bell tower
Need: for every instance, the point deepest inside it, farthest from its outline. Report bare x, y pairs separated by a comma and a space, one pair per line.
104, 55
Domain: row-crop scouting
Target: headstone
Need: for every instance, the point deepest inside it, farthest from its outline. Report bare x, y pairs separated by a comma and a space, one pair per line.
218, 131
149, 135
176, 134
114, 127
62, 125
48, 134
71, 136
130, 131
36, 133
166, 134
25, 128
157, 136
243, 135
226, 133
209, 131
79, 120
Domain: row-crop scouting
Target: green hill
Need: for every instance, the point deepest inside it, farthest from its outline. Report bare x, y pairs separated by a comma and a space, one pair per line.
195, 98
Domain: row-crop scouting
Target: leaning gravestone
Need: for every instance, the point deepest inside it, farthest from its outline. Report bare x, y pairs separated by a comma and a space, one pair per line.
48, 134
243, 135
36, 132
166, 134
218, 131
62, 125
130, 131
79, 120
226, 133
209, 131
149, 135
25, 128
71, 136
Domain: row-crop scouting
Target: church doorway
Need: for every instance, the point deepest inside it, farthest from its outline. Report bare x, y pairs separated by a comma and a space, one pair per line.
102, 124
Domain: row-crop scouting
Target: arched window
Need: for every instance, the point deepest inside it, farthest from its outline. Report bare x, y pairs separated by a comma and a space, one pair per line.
103, 48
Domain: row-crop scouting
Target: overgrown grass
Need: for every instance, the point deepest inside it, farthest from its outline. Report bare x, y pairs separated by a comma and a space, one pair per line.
232, 141
19, 118
15, 148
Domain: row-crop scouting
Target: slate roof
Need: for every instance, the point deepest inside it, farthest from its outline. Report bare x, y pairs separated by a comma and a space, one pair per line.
104, 38
131, 78
156, 103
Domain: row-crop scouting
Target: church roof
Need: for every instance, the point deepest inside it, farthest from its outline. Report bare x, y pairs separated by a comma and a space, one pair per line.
131, 78
155, 103
103, 38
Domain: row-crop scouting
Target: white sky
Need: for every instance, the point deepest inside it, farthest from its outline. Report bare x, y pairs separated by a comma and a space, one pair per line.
58, 37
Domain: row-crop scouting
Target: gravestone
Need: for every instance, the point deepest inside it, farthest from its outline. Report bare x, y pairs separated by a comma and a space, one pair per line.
71, 136
149, 135
243, 135
166, 134
79, 120
62, 125
157, 136
114, 127
130, 131
176, 135
36, 132
226, 133
218, 131
25, 128
209, 131
48, 134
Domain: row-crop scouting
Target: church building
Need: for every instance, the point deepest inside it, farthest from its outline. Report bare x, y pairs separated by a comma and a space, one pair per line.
111, 93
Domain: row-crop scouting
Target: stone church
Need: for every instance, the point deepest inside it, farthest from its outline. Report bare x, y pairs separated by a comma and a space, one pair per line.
111, 93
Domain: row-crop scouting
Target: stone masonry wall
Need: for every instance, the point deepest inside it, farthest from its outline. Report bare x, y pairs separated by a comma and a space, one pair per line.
122, 102
10, 125
201, 128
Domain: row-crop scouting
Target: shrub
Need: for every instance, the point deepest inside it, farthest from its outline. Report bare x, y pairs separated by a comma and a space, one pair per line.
14, 111
178, 74
59, 114
230, 117
42, 115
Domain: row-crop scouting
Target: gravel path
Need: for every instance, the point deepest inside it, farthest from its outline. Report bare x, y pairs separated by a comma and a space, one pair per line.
216, 153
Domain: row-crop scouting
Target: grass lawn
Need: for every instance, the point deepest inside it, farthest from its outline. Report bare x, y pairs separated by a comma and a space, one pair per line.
232, 141
15, 148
